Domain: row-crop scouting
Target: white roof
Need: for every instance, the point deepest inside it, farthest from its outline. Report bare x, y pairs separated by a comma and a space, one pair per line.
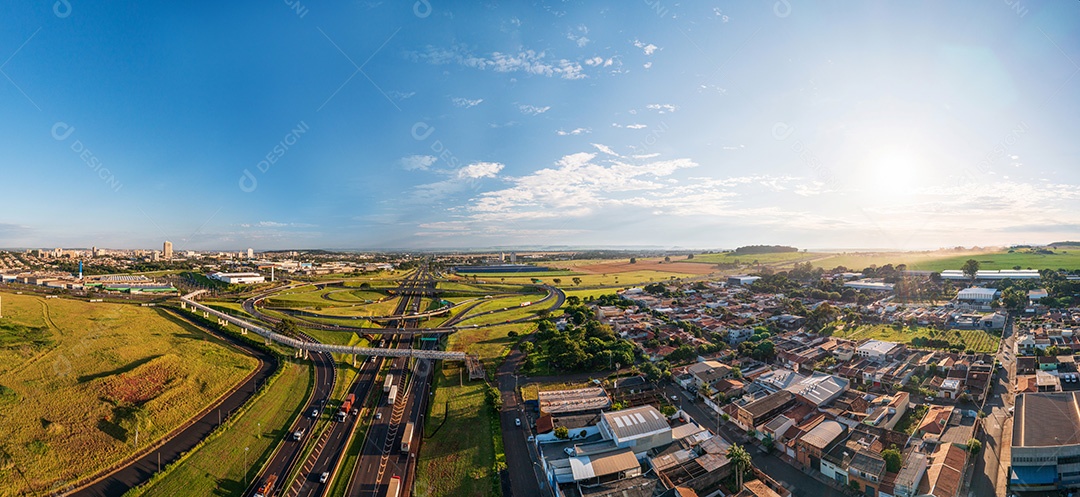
877, 346
977, 293
585, 467
630, 424
819, 388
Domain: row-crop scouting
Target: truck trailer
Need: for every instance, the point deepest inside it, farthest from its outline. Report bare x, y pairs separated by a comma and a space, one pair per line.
343, 412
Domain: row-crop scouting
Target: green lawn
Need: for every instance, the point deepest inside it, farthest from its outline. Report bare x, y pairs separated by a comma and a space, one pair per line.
457, 459
977, 340
1061, 259
217, 468
910, 420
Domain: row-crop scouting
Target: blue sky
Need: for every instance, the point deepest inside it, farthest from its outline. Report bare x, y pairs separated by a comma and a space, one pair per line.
460, 124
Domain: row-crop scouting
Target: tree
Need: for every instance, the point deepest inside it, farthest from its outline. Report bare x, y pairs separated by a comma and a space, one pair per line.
557, 281
562, 433
577, 281
633, 260
893, 462
974, 446
667, 258
738, 455
970, 268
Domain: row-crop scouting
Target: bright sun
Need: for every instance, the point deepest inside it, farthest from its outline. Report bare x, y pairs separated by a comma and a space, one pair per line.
893, 175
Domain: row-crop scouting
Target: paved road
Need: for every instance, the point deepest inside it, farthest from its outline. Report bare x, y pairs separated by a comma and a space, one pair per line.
290, 449
519, 458
801, 484
142, 469
988, 463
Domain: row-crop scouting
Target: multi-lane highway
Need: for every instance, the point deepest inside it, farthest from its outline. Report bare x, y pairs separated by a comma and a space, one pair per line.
382, 457
290, 449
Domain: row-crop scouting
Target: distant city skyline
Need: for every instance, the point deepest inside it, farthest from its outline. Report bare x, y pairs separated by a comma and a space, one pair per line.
903, 126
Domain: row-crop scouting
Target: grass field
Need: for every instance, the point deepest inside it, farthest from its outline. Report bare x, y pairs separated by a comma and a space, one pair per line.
217, 468
1067, 259
583, 294
977, 340
82, 375
782, 258
457, 458
609, 279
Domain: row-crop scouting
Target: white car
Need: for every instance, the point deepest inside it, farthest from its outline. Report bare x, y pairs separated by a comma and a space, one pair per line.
323, 477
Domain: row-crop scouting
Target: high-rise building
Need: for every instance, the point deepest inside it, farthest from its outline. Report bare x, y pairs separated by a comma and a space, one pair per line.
167, 250
513, 257
93, 252
251, 253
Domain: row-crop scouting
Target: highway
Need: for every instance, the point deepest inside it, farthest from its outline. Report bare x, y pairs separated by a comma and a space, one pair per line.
381, 457
289, 450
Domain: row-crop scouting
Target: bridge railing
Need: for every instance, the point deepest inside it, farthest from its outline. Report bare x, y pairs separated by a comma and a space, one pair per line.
189, 299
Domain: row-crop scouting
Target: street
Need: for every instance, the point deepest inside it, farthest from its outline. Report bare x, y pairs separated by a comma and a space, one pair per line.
789, 476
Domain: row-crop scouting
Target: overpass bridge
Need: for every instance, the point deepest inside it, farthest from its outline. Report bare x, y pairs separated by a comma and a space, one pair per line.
189, 301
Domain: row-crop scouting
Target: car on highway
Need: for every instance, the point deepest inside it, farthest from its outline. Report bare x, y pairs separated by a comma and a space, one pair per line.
314, 413
323, 477
517, 421
378, 415
355, 411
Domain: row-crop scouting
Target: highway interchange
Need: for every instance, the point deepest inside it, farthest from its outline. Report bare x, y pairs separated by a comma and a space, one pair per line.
299, 465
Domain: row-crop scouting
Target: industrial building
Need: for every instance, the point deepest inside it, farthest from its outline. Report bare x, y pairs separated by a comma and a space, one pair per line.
1045, 442
238, 278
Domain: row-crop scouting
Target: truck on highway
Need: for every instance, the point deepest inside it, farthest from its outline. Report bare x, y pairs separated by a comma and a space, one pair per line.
392, 395
394, 488
406, 439
388, 383
267, 488
343, 412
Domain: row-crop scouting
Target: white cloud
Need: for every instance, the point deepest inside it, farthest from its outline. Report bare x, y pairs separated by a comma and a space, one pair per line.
417, 162
629, 126
465, 102
532, 110
576, 186
527, 61
647, 65
605, 149
649, 48
662, 108
578, 36
575, 131
400, 95
479, 170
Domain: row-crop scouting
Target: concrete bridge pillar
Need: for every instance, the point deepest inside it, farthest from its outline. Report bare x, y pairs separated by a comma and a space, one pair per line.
243, 331
354, 360
206, 315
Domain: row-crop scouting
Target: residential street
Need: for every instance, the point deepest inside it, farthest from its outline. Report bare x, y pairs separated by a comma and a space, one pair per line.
791, 477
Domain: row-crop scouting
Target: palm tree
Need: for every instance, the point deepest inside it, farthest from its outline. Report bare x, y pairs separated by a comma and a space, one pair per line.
741, 458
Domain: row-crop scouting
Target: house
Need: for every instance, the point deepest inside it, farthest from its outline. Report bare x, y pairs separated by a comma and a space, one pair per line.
1026, 365
911, 473
754, 414
708, 372
945, 473
867, 469
810, 447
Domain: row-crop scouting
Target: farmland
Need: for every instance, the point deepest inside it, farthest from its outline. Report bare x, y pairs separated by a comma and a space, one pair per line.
976, 340
89, 375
